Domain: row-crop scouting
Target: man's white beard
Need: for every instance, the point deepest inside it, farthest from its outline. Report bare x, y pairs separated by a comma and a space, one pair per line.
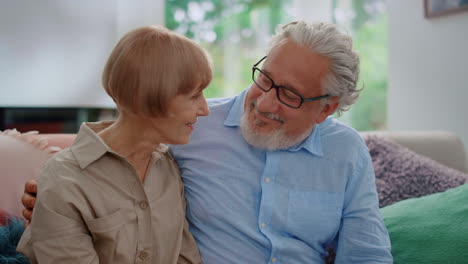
274, 140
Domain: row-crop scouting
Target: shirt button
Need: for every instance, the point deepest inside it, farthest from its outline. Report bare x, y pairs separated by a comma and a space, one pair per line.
273, 260
143, 205
143, 255
267, 180
263, 225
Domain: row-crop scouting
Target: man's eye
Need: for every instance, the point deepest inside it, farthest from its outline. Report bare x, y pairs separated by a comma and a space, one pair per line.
263, 79
289, 95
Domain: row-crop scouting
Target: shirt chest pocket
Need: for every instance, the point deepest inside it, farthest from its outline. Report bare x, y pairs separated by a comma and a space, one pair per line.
113, 234
313, 214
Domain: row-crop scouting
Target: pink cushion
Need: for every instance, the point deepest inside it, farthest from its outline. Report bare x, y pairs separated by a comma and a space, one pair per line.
19, 162
59, 140
21, 158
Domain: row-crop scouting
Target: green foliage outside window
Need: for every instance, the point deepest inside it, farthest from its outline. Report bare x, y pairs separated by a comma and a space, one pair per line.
369, 28
236, 33
228, 29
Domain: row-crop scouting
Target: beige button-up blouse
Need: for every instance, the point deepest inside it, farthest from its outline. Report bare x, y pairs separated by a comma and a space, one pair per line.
92, 208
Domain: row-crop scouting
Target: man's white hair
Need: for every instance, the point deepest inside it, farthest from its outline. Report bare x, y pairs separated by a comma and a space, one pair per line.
326, 40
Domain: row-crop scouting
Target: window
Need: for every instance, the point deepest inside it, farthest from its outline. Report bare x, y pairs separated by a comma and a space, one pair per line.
367, 22
236, 34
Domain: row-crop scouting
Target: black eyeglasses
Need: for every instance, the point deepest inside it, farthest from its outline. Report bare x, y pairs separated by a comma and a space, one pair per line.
285, 95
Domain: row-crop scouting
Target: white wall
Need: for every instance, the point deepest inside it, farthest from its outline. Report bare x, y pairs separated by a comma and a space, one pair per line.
428, 70
52, 53
311, 10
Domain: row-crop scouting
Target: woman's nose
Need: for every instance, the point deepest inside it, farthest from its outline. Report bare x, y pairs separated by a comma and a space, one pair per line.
203, 109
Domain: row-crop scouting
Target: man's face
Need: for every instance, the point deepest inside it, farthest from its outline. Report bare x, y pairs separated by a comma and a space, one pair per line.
298, 69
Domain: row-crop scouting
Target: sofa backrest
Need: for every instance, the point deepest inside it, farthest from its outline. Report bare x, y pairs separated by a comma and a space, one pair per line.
444, 147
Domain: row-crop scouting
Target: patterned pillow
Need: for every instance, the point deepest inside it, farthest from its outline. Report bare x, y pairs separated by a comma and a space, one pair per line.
10, 234
401, 173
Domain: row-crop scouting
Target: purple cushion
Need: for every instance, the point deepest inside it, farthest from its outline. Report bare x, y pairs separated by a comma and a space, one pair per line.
401, 173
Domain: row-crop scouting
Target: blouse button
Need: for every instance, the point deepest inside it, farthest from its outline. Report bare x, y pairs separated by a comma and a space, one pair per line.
143, 205
143, 255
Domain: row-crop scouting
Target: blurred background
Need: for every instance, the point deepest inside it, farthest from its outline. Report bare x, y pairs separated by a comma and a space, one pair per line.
413, 64
236, 33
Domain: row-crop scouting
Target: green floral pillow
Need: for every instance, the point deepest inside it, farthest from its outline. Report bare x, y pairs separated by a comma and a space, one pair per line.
430, 229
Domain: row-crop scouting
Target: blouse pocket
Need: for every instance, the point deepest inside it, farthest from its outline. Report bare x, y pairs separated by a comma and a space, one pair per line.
106, 223
313, 214
111, 235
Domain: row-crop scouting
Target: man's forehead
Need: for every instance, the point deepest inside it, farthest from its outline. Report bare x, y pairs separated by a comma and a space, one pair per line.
296, 68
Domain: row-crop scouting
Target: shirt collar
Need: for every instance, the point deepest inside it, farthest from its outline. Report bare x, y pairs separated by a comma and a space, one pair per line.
89, 147
237, 109
312, 143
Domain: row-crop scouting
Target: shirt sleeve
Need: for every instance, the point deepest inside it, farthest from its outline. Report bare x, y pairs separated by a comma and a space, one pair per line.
189, 253
363, 237
57, 233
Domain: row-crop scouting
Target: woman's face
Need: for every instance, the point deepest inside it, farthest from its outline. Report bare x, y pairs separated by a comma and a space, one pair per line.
184, 109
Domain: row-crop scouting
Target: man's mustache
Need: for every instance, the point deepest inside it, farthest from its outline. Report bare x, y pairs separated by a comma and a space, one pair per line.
253, 106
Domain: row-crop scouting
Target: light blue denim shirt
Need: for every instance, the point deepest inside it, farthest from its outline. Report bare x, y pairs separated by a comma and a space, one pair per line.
247, 205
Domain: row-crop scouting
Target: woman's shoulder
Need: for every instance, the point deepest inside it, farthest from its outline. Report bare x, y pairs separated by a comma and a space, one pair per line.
63, 159
60, 170
168, 158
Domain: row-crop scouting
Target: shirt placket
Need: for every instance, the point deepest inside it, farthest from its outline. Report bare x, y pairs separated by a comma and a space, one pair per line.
143, 214
267, 201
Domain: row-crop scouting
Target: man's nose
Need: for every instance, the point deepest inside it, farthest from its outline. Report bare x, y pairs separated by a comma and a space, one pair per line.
268, 101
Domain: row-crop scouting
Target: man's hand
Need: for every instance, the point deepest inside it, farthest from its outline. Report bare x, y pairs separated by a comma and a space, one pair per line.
29, 199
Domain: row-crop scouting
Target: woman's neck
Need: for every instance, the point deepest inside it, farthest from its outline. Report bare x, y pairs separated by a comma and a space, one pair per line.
133, 139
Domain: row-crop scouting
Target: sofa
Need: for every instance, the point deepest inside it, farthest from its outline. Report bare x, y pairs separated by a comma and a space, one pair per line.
410, 167
442, 146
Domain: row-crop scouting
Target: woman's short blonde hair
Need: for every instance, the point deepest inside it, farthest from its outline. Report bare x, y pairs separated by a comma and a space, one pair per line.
150, 65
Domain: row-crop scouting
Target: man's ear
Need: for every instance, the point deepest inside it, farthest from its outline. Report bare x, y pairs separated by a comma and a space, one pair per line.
328, 109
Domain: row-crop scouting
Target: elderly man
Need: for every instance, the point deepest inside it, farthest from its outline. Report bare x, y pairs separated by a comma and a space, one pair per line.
270, 176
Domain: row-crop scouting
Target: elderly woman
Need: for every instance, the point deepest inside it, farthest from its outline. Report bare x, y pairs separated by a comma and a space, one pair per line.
115, 196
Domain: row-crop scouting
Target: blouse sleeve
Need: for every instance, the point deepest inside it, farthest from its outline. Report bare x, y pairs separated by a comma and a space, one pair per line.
57, 233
